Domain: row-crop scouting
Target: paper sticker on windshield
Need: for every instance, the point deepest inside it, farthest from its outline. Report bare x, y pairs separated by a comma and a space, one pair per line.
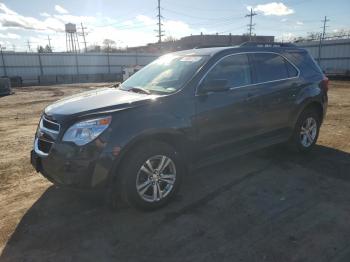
191, 58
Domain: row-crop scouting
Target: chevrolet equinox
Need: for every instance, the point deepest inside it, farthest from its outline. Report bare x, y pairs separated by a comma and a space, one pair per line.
186, 108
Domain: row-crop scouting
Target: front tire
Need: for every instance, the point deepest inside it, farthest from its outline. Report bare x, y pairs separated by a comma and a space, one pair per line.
150, 175
306, 131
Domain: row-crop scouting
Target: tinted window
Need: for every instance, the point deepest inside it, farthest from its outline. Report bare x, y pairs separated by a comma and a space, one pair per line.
166, 74
235, 69
292, 72
269, 67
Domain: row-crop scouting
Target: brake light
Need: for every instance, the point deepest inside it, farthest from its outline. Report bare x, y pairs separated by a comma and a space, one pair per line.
324, 84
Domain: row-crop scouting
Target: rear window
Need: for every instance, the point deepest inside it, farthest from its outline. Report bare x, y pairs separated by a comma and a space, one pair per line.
270, 67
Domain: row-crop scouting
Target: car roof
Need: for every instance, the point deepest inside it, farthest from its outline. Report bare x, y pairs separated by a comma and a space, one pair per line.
211, 51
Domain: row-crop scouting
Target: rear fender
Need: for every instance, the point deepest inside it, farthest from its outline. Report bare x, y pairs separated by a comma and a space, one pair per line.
307, 96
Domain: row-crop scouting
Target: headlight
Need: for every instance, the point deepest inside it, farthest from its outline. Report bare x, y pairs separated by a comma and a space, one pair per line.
84, 132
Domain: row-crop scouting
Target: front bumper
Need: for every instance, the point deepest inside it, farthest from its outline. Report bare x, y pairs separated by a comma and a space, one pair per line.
67, 165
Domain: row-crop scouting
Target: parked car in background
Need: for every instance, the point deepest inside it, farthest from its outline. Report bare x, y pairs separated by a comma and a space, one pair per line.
187, 108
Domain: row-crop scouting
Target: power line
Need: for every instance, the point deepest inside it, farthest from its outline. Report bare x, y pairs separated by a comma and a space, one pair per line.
230, 30
125, 27
191, 7
214, 24
197, 17
251, 25
160, 31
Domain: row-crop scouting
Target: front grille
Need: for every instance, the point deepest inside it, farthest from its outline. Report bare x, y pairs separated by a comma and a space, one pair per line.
44, 146
46, 135
50, 125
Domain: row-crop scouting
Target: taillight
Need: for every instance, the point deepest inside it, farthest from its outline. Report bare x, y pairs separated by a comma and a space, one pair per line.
324, 84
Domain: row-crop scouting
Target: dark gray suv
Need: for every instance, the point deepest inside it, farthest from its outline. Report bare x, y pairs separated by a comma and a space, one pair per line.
187, 108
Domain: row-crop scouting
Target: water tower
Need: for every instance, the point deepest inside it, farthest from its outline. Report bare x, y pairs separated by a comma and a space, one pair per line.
72, 42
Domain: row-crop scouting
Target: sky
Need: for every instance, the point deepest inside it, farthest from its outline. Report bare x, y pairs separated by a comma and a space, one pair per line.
132, 22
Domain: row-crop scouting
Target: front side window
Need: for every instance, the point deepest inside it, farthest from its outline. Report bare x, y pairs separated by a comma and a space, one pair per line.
167, 74
270, 67
235, 69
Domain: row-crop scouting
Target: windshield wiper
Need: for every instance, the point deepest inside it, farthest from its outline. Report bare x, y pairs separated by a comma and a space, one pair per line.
116, 85
138, 89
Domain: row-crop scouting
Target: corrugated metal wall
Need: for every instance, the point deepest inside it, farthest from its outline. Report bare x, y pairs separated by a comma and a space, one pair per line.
335, 55
335, 60
32, 65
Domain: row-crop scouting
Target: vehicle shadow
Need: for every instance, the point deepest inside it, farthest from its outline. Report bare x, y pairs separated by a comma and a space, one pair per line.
67, 226
324, 160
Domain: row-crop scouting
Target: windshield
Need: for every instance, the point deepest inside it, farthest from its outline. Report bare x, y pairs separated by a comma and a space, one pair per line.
167, 74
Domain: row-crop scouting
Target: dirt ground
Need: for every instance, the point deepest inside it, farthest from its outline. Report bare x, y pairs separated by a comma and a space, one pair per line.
271, 205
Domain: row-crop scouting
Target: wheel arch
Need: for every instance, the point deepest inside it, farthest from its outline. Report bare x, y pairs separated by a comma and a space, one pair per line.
175, 139
307, 105
315, 105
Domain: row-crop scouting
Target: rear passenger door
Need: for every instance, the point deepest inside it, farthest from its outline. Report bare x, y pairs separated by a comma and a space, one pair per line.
278, 80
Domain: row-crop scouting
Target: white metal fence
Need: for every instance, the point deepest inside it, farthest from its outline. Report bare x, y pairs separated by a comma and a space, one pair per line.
332, 55
45, 68
53, 67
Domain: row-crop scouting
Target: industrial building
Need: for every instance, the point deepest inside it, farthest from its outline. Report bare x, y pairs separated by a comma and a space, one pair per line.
202, 40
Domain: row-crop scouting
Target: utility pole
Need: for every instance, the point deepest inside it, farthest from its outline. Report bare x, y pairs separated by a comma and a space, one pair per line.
108, 61
49, 39
251, 25
322, 36
83, 34
3, 59
160, 32
324, 26
28, 45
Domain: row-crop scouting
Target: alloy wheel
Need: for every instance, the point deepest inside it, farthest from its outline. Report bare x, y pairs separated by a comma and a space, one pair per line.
156, 178
308, 132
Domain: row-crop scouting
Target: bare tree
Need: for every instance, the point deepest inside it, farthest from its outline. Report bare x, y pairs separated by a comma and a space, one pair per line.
169, 39
41, 49
108, 44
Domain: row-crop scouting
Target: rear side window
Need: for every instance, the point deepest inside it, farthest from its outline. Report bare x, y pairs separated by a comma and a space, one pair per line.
292, 72
270, 67
235, 69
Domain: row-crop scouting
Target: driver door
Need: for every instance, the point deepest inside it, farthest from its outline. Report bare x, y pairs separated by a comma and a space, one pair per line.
227, 116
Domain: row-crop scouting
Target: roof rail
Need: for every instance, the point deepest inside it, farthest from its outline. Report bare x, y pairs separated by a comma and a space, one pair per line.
209, 46
267, 44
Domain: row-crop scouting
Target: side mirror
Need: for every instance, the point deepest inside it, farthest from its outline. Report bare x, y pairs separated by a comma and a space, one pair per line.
215, 85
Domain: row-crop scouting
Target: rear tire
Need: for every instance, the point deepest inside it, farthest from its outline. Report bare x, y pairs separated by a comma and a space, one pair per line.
306, 131
150, 175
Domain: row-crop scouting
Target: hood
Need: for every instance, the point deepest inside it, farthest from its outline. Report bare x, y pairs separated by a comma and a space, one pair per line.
96, 100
